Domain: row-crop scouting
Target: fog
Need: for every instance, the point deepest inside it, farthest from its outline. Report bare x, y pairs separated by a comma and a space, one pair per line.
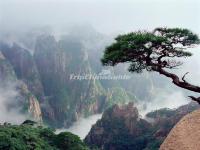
8, 110
106, 16
82, 126
192, 66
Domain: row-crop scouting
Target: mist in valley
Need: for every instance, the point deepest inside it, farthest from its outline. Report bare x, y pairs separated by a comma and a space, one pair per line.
10, 112
82, 126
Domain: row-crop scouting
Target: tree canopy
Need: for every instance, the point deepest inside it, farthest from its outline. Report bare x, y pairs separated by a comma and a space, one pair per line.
154, 51
28, 137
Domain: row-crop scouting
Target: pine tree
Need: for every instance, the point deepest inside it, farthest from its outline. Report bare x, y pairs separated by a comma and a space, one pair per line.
154, 51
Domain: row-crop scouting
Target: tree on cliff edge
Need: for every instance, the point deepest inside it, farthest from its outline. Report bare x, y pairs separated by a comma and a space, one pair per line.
154, 51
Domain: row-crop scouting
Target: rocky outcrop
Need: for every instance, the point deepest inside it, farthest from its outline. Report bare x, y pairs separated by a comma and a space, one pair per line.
23, 100
30, 104
24, 67
185, 135
7, 74
34, 109
121, 128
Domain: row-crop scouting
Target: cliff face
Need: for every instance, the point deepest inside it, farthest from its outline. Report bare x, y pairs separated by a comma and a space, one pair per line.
121, 128
23, 97
29, 102
69, 99
34, 109
7, 73
24, 67
46, 75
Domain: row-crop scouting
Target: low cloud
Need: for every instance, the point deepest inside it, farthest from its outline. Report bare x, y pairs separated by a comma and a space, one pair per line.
9, 110
163, 100
82, 126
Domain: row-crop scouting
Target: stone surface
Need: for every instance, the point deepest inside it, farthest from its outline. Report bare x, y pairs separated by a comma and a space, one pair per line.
185, 135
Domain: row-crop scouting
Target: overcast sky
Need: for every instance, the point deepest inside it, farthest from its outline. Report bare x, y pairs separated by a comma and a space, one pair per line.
107, 16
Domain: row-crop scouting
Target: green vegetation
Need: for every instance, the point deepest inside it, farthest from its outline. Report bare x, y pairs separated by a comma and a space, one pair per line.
27, 137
